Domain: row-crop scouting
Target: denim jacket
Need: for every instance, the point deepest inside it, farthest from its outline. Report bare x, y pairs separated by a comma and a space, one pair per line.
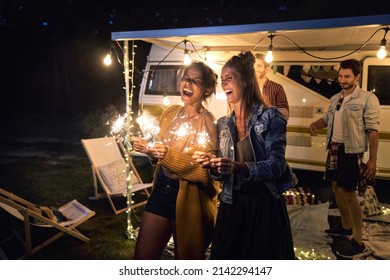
267, 130
361, 114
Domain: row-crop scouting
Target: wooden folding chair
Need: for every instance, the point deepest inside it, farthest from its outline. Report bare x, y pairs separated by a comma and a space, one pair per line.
23, 210
109, 169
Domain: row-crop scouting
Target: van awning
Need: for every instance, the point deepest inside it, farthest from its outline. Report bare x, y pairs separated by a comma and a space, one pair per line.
347, 33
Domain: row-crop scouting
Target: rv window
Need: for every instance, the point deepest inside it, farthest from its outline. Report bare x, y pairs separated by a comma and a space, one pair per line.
164, 80
378, 81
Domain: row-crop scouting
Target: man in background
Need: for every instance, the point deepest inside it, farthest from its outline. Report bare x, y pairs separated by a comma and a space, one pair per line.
272, 93
352, 120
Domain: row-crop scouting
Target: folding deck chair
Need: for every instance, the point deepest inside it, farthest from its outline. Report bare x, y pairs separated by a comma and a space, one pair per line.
22, 209
109, 169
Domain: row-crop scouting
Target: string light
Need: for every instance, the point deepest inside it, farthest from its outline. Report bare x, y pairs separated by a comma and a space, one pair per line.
187, 57
129, 82
382, 52
302, 254
269, 57
166, 100
107, 59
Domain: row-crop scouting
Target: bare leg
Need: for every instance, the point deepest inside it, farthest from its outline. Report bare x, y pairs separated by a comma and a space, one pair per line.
153, 236
342, 206
355, 214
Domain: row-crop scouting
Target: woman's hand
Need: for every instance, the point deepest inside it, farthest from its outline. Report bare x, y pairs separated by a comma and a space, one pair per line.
224, 166
139, 145
157, 150
203, 158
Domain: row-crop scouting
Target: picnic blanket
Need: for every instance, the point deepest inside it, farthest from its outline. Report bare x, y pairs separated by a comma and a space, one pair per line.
308, 225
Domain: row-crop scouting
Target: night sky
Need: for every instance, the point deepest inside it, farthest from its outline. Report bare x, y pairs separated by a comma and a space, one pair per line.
52, 50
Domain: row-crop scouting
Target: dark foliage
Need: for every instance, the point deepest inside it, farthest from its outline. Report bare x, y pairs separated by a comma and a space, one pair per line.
52, 50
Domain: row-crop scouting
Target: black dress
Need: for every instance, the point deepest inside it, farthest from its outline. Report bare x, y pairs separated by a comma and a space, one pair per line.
256, 226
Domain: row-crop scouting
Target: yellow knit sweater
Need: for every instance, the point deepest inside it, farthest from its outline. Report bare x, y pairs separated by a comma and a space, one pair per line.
196, 204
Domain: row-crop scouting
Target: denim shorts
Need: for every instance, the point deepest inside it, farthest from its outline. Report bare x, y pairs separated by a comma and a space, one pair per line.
162, 200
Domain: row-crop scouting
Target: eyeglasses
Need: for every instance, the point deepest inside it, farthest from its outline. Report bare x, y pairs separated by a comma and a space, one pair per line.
191, 81
339, 103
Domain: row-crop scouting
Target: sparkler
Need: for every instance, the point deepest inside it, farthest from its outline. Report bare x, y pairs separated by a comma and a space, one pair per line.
150, 132
118, 124
203, 138
184, 131
119, 128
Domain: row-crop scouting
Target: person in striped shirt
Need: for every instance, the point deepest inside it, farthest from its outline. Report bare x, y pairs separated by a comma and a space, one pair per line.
272, 93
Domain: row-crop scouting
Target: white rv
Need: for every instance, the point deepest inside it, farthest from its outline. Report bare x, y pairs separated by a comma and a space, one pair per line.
306, 55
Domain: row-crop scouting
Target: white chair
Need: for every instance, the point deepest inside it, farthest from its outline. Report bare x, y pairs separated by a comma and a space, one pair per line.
109, 169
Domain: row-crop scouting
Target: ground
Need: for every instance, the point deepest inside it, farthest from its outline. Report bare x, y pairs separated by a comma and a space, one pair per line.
43, 161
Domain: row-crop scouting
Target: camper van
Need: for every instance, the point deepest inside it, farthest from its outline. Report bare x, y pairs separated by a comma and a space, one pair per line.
306, 56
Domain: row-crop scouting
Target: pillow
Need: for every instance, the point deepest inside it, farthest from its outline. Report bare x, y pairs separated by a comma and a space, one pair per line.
300, 196
51, 213
369, 202
114, 174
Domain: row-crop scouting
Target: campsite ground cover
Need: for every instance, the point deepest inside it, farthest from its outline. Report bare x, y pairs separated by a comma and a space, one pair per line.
43, 161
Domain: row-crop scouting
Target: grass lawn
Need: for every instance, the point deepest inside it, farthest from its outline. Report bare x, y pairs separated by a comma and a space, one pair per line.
42, 160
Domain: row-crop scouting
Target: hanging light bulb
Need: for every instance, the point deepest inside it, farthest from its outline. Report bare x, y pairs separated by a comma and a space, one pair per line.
166, 100
140, 119
187, 57
382, 52
269, 57
108, 60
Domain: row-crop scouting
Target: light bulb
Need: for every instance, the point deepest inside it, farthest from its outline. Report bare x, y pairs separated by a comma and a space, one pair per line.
269, 57
107, 60
382, 52
140, 120
187, 58
166, 101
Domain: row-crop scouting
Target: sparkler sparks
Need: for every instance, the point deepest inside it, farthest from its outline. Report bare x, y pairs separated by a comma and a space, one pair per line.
149, 128
183, 130
120, 128
203, 138
187, 133
118, 125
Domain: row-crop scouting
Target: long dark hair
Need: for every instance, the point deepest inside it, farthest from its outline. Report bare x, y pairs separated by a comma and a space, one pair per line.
244, 63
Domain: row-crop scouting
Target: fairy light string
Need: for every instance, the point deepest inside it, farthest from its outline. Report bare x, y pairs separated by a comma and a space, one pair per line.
129, 88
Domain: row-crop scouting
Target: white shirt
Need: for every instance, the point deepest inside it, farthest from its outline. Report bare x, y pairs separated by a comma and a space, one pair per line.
337, 135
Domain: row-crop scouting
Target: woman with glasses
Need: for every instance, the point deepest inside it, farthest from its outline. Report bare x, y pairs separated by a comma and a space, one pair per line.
183, 199
252, 221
